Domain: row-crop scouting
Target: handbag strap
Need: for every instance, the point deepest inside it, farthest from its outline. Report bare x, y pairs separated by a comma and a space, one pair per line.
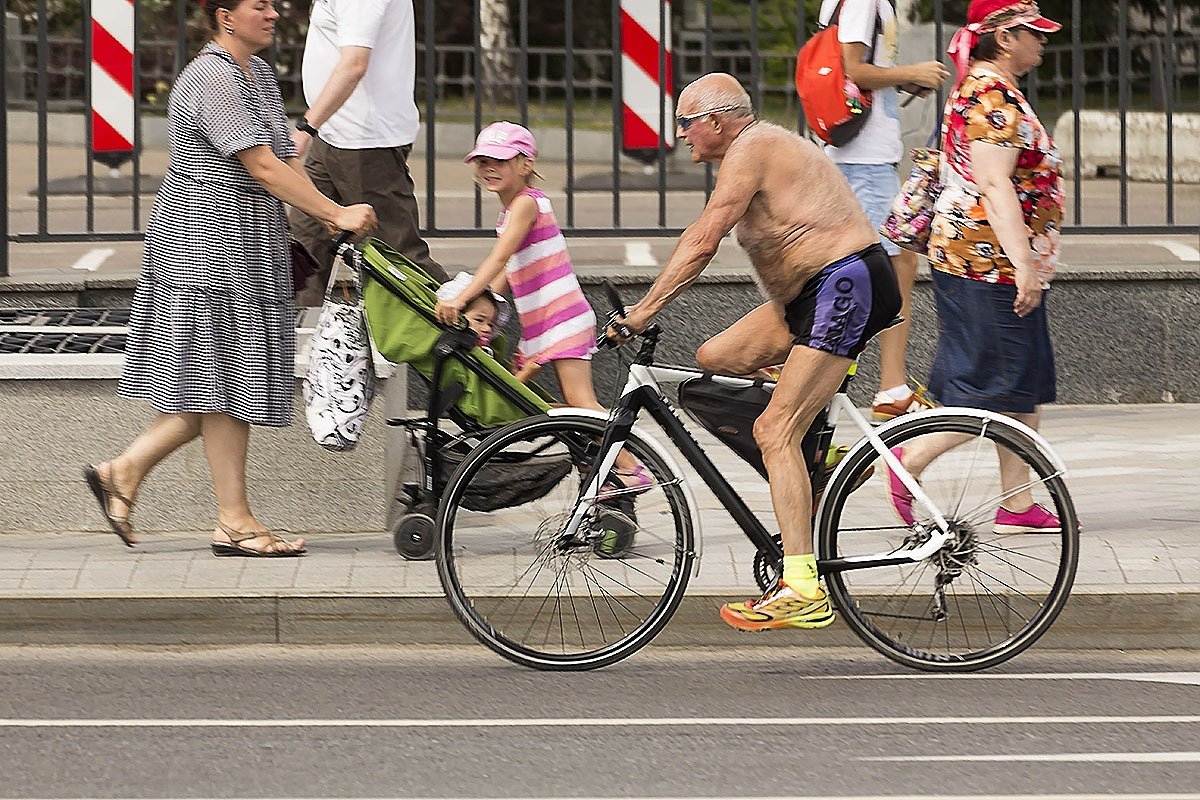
333, 273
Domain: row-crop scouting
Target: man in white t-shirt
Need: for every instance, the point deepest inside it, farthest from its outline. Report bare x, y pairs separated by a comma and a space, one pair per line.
869, 163
359, 71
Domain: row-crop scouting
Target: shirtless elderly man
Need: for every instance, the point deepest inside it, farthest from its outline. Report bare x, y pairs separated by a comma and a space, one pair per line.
830, 288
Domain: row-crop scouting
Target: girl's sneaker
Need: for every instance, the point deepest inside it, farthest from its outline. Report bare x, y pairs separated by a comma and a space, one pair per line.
899, 495
1034, 519
626, 483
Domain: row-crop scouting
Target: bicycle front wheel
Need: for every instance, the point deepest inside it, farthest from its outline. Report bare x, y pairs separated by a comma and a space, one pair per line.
542, 596
988, 593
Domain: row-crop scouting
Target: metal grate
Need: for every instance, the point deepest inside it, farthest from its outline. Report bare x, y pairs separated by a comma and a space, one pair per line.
59, 331
68, 317
60, 343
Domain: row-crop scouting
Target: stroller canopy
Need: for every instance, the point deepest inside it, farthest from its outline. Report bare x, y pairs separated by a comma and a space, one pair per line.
400, 299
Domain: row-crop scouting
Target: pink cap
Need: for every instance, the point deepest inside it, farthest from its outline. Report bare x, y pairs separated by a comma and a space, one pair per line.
503, 140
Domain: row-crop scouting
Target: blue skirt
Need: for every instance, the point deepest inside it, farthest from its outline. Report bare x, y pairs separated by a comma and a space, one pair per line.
987, 356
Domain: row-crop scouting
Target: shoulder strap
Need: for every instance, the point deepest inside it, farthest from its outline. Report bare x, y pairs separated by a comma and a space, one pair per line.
837, 13
875, 35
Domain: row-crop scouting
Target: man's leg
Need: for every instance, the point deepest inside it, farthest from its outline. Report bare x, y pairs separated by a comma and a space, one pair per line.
759, 339
310, 232
893, 343
808, 382
387, 185
809, 379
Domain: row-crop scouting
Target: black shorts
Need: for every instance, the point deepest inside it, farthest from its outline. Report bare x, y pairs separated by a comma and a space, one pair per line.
841, 307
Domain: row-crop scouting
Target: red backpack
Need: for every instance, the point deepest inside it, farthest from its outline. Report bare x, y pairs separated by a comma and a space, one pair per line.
836, 109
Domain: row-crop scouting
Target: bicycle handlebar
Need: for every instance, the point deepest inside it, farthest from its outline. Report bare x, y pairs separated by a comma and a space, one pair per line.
618, 311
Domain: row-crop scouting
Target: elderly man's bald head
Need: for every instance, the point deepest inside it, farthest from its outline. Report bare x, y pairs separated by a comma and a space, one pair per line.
714, 90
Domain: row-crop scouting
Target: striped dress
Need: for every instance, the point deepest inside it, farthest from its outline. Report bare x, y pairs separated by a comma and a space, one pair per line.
556, 320
213, 328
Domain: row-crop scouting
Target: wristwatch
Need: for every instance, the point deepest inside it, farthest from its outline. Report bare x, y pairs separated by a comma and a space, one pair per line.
302, 125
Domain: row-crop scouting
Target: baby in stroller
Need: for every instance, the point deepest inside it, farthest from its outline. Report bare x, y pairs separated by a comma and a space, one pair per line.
486, 315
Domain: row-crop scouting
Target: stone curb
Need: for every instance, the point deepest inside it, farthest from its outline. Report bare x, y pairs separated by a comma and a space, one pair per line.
1091, 620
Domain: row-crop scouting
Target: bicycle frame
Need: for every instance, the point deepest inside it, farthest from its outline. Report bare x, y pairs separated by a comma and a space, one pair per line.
642, 392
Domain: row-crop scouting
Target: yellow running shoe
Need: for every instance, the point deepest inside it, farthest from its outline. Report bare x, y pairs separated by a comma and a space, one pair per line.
781, 607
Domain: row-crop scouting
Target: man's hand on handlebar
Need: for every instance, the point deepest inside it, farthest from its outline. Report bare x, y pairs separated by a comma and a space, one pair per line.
620, 329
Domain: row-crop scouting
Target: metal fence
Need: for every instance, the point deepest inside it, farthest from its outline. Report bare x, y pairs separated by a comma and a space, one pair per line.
577, 89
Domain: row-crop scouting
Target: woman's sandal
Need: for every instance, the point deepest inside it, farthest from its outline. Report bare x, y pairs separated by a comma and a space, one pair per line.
234, 546
105, 492
626, 482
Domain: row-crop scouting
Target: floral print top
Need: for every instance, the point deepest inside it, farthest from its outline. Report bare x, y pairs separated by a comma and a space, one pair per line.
986, 107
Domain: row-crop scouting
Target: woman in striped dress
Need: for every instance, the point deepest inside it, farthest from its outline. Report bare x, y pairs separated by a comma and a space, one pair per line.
557, 325
212, 331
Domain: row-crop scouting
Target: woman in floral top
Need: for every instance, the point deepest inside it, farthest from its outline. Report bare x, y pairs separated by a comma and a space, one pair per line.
994, 241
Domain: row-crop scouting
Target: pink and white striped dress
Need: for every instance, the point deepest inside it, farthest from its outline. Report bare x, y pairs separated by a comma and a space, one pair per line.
556, 320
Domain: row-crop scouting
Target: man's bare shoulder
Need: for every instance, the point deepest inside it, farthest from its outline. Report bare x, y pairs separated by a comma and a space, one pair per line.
763, 138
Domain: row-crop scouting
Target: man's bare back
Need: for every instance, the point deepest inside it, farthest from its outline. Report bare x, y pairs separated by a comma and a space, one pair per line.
804, 214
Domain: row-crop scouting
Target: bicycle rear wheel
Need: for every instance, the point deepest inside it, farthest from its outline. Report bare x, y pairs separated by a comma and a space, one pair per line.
984, 596
546, 599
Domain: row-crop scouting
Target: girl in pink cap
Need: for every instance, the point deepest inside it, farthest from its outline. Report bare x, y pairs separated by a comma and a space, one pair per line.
530, 255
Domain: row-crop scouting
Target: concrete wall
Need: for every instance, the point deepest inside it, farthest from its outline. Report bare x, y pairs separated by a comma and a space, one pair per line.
1099, 145
1119, 337
52, 428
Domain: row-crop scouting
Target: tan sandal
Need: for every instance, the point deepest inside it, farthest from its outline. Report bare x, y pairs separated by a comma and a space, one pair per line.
105, 492
234, 546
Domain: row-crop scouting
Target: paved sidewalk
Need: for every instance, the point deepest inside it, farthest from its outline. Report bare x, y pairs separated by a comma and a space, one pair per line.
1134, 478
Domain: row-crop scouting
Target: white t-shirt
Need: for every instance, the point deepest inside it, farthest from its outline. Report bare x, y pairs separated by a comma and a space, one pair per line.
879, 140
382, 110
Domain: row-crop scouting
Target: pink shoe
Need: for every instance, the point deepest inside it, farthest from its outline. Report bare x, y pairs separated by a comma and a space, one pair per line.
1034, 519
625, 483
901, 498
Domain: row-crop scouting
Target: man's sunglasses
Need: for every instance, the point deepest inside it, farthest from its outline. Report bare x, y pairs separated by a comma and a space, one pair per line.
685, 122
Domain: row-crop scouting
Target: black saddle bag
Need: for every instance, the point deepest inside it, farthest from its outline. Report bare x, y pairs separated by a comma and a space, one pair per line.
729, 412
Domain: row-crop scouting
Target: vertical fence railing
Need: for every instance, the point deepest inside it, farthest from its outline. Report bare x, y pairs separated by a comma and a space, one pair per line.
43, 91
431, 115
1076, 104
4, 140
577, 86
1169, 100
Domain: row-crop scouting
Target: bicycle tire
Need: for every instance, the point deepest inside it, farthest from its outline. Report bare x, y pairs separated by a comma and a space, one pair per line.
620, 600
1034, 572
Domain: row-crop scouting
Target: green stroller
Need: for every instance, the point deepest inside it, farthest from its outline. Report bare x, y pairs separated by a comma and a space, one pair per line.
467, 386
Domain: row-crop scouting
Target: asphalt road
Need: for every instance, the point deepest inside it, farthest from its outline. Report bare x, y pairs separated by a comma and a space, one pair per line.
409, 722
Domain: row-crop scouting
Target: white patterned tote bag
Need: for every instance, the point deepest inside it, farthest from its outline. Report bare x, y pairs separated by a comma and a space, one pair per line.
340, 381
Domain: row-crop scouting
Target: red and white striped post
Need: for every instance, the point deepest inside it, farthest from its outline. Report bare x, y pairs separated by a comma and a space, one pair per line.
112, 81
648, 102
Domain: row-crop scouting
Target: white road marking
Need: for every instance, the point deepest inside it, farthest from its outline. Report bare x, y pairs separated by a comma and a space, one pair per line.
92, 259
594, 722
1088, 796
1182, 678
1131, 758
637, 254
1182, 251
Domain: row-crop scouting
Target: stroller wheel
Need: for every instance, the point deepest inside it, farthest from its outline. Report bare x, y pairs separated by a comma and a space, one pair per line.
414, 535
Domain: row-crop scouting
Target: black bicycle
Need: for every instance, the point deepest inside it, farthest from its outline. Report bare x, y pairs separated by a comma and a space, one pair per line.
588, 573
